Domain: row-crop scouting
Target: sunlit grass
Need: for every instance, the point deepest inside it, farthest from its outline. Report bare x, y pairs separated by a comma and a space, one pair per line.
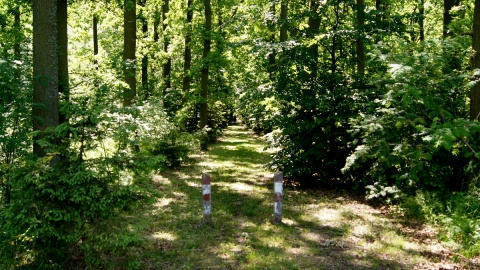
321, 229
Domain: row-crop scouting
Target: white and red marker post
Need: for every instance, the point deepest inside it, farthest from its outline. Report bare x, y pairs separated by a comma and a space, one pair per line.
207, 198
277, 197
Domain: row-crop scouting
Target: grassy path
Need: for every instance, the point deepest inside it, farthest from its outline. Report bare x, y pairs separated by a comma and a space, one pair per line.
321, 230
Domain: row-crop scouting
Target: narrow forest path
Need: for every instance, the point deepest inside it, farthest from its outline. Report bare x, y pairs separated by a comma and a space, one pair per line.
321, 230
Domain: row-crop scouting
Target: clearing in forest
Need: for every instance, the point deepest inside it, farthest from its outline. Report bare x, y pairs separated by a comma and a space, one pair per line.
323, 229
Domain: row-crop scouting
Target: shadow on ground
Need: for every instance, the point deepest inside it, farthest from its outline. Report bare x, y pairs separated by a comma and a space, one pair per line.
320, 230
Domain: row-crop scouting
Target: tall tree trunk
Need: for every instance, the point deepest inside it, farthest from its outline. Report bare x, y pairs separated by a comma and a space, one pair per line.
167, 66
272, 55
45, 69
63, 78
359, 44
187, 64
95, 47
475, 91
145, 82
421, 20
17, 26
129, 48
447, 17
281, 80
205, 69
283, 21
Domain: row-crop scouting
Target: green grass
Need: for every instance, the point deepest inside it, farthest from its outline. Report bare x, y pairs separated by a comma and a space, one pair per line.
321, 229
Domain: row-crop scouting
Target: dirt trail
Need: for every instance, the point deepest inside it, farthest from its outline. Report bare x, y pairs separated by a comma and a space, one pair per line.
323, 229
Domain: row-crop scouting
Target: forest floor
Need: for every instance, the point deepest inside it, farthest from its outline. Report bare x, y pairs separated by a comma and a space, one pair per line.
322, 229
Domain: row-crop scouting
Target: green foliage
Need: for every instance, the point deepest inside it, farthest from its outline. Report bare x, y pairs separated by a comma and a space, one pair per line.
412, 133
456, 214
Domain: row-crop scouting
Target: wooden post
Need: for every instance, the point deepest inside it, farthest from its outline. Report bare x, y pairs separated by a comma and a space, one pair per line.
277, 197
207, 199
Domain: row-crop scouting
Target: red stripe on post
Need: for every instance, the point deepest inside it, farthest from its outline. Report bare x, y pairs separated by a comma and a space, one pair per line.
205, 179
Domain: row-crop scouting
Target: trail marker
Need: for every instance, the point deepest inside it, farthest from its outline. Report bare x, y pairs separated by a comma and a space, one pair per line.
277, 197
207, 198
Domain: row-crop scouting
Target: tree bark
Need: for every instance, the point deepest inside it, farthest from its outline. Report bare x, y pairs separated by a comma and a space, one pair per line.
95, 40
475, 91
283, 21
272, 55
63, 78
359, 44
205, 69
145, 81
167, 66
45, 69
129, 48
187, 64
421, 20
17, 26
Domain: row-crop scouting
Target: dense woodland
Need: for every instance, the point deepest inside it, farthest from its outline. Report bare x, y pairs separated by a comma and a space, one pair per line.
381, 97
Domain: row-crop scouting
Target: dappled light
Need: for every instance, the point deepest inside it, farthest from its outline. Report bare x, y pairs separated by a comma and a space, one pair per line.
253, 134
320, 229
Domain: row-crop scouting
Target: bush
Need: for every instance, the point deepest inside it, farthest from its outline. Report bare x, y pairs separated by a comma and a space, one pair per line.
456, 214
413, 134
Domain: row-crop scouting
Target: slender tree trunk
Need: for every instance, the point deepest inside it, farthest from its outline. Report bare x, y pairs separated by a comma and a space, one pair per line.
283, 21
205, 69
272, 55
45, 69
187, 64
95, 48
167, 66
145, 82
17, 26
421, 20
333, 50
281, 80
359, 44
475, 91
95, 41
63, 78
129, 48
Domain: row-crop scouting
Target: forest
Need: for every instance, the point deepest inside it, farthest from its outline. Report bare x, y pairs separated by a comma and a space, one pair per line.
378, 97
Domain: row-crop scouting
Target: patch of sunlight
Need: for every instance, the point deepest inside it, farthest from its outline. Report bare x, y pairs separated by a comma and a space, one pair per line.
160, 179
106, 148
193, 184
177, 194
230, 140
247, 224
289, 222
240, 186
126, 178
164, 236
163, 202
327, 214
297, 251
228, 250
273, 241
361, 230
311, 236
216, 164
